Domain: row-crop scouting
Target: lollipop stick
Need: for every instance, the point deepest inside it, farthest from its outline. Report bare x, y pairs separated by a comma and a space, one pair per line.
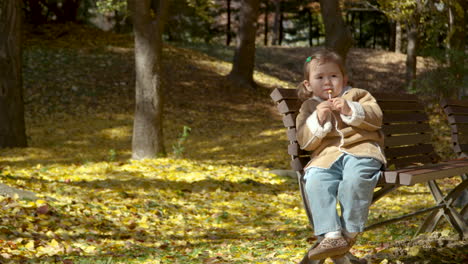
329, 93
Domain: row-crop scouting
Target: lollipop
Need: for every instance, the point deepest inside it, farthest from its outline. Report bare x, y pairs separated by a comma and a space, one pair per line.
329, 93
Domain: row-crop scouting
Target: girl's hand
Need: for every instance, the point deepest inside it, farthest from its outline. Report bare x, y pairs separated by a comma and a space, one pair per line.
323, 111
340, 105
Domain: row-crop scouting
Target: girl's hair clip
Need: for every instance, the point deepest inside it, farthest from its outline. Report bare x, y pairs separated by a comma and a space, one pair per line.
308, 59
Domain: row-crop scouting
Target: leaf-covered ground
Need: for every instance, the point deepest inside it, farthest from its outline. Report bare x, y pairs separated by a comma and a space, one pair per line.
216, 204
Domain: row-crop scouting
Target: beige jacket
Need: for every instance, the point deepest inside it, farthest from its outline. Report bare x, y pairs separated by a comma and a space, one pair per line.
358, 135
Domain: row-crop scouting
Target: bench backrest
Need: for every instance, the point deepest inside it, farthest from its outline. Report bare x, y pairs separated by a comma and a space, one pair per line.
405, 126
457, 115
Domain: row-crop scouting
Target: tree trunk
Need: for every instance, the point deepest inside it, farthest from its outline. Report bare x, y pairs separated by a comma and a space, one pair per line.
456, 42
228, 29
360, 31
398, 37
310, 24
411, 53
280, 33
337, 35
70, 10
12, 125
265, 37
276, 25
147, 141
392, 36
374, 33
244, 56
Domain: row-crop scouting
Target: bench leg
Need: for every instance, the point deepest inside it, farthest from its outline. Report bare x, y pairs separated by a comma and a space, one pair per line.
448, 211
383, 191
462, 200
431, 222
464, 212
304, 198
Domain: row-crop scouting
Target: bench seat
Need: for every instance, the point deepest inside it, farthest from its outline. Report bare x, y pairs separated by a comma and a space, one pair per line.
426, 173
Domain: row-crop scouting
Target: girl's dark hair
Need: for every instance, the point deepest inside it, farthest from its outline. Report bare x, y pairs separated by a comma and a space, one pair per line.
322, 55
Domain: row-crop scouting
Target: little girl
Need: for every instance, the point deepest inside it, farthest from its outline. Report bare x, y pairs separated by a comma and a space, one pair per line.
341, 126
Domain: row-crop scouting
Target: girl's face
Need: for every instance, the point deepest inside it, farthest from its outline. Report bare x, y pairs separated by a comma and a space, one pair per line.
324, 77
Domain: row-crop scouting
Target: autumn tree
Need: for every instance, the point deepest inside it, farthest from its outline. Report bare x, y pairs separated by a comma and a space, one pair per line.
337, 35
148, 26
409, 13
244, 55
12, 125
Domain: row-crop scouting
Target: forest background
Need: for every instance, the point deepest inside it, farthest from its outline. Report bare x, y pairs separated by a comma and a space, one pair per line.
79, 187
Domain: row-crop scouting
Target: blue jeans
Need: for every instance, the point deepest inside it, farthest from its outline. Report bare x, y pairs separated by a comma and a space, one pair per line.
351, 181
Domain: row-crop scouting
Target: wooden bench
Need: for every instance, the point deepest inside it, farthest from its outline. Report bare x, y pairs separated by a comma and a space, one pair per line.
457, 116
410, 155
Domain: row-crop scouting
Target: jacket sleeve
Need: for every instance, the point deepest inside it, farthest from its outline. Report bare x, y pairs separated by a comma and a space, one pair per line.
366, 112
309, 132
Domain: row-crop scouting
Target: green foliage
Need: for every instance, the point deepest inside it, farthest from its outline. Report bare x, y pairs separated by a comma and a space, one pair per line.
444, 81
192, 20
110, 6
433, 38
112, 155
400, 10
178, 148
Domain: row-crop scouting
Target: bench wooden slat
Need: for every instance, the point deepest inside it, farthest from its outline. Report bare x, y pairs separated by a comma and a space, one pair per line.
460, 138
400, 106
459, 128
410, 161
458, 123
457, 110
279, 94
403, 140
457, 119
292, 134
453, 102
409, 150
389, 129
298, 164
295, 150
289, 120
289, 106
381, 97
390, 176
438, 171
404, 117
459, 148
410, 169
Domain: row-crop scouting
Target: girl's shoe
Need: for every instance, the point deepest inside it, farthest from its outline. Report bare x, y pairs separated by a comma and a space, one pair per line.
331, 247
